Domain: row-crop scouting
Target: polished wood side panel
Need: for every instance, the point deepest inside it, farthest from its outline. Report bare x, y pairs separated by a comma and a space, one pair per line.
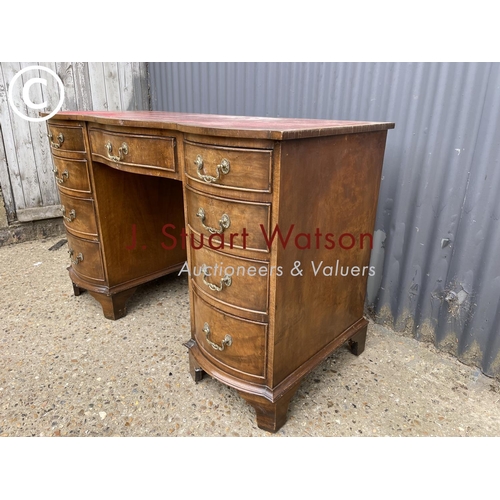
133, 212
339, 177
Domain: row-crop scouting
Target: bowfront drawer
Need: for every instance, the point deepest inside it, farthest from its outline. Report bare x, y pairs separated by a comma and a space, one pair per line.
234, 223
235, 343
72, 175
226, 167
148, 152
79, 216
66, 138
85, 258
235, 283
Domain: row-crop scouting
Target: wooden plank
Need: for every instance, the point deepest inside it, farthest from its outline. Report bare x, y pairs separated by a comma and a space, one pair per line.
8, 198
126, 86
65, 72
21, 145
112, 85
136, 81
52, 96
50, 93
41, 148
98, 87
82, 86
142, 94
39, 213
11, 179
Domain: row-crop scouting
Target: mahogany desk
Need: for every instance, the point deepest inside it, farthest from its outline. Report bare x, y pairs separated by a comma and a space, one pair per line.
274, 216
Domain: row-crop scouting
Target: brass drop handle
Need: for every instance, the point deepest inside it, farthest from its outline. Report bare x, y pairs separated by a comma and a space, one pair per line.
224, 222
222, 168
226, 280
72, 214
122, 151
60, 140
64, 176
79, 257
226, 342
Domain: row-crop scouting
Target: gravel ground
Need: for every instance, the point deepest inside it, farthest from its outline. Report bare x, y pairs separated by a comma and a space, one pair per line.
67, 371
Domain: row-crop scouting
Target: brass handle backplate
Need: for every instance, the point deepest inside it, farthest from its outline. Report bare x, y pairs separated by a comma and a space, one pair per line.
79, 257
64, 176
72, 214
226, 342
222, 168
226, 280
122, 151
60, 140
224, 222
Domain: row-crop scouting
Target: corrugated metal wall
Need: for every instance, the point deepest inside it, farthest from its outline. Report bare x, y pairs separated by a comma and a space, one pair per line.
437, 239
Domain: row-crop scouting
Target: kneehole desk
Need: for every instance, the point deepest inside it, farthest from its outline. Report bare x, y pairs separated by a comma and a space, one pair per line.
294, 201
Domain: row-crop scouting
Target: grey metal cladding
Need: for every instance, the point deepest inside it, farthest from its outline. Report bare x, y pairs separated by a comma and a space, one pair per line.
437, 238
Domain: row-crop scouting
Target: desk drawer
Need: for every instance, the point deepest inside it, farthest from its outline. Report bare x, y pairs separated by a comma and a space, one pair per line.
85, 258
234, 168
137, 150
66, 138
218, 218
79, 216
72, 174
237, 283
231, 341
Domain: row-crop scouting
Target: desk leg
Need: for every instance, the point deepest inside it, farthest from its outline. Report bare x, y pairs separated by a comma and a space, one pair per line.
195, 369
270, 416
77, 290
114, 306
357, 342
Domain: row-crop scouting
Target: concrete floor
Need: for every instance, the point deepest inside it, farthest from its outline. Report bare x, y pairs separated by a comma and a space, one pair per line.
67, 371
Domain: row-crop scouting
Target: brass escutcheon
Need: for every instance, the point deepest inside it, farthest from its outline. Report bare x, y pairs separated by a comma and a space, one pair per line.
226, 342
226, 280
60, 140
72, 214
222, 168
122, 151
79, 257
224, 222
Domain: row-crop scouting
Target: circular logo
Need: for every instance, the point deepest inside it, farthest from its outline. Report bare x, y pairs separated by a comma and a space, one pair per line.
26, 91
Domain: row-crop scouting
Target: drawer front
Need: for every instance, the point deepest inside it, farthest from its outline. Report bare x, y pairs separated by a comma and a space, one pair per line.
79, 216
72, 174
230, 341
234, 168
221, 221
85, 258
66, 138
240, 284
148, 152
